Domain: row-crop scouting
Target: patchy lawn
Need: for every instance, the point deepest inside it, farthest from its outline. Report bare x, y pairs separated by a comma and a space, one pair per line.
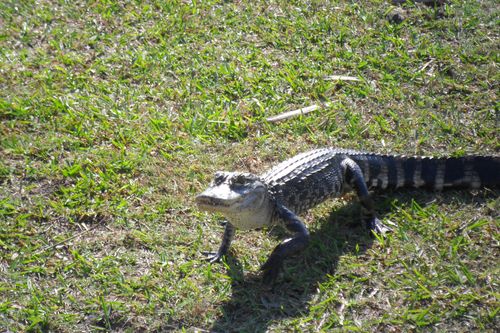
114, 115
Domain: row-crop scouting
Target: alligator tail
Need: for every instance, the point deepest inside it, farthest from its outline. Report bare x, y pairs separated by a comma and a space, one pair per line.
386, 171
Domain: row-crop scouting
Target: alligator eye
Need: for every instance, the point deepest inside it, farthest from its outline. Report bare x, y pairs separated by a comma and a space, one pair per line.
239, 180
219, 178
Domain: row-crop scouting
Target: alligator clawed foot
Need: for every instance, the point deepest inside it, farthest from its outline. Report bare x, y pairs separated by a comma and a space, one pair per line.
270, 275
378, 227
271, 269
212, 257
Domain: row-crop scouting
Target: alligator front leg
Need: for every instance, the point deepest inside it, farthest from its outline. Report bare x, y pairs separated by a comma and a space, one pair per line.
288, 247
229, 231
354, 177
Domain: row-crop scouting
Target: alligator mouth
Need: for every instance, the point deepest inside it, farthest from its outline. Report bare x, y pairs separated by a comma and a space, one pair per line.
210, 202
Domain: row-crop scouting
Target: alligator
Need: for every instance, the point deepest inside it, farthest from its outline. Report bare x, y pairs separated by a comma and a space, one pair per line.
281, 194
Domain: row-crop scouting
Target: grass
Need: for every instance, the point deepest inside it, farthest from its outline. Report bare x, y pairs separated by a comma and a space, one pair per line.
114, 115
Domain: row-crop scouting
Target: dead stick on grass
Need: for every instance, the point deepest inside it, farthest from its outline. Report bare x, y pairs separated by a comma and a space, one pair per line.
340, 78
302, 111
294, 113
425, 65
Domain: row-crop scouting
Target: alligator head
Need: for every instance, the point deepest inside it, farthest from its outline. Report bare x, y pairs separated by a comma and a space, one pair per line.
241, 197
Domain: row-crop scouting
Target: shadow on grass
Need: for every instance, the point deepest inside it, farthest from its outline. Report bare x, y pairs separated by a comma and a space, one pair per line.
253, 306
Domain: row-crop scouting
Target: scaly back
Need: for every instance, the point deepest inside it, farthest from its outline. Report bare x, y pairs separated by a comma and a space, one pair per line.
308, 179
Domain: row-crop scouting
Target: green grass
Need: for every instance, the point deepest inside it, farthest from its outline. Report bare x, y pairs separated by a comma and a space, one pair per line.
114, 115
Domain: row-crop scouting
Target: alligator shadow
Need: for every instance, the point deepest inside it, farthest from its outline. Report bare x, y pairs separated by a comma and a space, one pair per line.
253, 306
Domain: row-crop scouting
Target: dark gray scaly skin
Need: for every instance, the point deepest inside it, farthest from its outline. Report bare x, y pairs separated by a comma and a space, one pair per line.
292, 187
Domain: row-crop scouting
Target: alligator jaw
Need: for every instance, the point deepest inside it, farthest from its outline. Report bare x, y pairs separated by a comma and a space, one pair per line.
209, 203
241, 197
218, 197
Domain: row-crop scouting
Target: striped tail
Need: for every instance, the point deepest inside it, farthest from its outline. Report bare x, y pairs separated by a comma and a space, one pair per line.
385, 171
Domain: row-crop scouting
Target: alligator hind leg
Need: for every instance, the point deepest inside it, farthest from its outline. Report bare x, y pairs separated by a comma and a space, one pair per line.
354, 177
288, 247
229, 231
